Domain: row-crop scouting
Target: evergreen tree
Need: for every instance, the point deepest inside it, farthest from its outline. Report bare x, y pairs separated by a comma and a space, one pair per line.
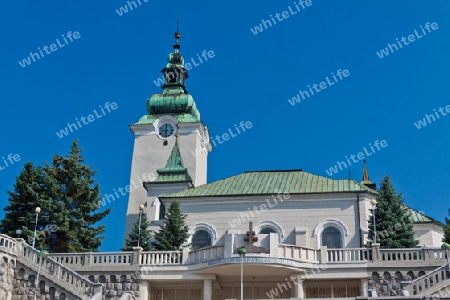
394, 227
68, 197
447, 230
174, 232
145, 237
23, 202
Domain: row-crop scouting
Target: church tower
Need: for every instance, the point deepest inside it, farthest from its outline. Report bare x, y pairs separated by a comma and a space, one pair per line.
171, 144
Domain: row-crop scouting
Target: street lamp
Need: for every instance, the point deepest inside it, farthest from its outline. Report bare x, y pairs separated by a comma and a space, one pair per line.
18, 232
37, 210
43, 255
446, 247
374, 206
141, 208
242, 253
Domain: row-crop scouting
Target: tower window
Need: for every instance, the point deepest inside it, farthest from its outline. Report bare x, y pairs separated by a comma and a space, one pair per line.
165, 143
201, 239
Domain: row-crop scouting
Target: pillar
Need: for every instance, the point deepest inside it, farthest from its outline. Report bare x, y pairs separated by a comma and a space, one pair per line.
364, 287
143, 290
207, 289
273, 244
298, 286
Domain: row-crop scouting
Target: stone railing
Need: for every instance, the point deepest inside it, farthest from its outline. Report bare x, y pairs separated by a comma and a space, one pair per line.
205, 254
419, 256
298, 253
160, 258
430, 283
349, 255
8, 243
58, 273
94, 259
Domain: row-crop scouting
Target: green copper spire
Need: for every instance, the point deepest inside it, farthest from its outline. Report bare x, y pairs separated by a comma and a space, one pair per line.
174, 171
174, 99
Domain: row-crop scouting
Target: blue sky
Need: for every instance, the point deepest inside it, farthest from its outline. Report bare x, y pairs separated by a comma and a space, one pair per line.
251, 78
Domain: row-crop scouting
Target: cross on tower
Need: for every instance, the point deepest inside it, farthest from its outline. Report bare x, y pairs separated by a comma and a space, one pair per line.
250, 238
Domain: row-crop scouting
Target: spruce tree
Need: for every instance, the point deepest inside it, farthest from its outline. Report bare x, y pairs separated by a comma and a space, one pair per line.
447, 230
23, 200
145, 236
174, 232
394, 227
68, 197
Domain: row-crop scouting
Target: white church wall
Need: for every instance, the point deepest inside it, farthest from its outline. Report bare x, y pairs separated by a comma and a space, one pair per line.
428, 234
299, 211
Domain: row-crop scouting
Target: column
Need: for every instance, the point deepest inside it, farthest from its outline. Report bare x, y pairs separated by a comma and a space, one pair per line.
364, 287
207, 289
143, 289
298, 286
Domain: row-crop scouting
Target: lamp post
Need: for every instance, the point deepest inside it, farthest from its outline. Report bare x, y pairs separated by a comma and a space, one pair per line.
18, 232
446, 247
242, 253
141, 208
37, 210
374, 206
43, 255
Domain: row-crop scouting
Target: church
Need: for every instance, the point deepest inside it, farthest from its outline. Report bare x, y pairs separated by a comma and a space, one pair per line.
291, 223
276, 234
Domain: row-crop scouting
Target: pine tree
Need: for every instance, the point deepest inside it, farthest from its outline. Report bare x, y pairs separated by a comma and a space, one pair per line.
145, 237
174, 232
394, 227
23, 202
68, 197
447, 230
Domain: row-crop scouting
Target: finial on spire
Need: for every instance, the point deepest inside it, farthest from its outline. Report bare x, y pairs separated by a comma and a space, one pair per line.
365, 177
366, 180
177, 35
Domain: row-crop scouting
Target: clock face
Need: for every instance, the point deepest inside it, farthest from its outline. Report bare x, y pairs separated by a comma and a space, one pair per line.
166, 130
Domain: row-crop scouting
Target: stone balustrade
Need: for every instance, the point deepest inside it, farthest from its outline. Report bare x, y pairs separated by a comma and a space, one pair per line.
160, 258
349, 255
429, 283
8, 243
94, 259
57, 272
298, 253
205, 254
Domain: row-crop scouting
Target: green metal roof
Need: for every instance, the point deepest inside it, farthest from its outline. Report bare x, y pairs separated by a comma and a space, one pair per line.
418, 217
273, 182
174, 171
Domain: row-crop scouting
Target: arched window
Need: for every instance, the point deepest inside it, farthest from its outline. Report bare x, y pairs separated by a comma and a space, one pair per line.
331, 237
267, 230
201, 239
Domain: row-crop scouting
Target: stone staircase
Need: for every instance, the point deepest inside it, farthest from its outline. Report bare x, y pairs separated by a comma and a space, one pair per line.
436, 283
55, 275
